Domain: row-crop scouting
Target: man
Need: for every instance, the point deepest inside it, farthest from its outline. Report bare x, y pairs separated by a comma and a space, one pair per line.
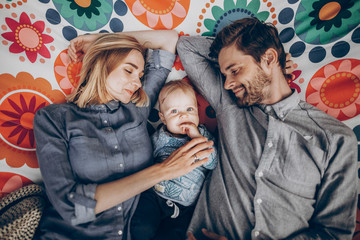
287, 169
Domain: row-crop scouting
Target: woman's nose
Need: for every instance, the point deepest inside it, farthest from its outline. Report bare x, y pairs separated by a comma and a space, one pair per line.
137, 82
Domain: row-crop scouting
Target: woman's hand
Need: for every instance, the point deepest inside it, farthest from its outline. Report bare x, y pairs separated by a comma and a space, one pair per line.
208, 234
155, 39
289, 66
186, 158
79, 45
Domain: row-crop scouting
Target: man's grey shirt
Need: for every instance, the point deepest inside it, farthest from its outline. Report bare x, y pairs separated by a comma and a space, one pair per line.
286, 170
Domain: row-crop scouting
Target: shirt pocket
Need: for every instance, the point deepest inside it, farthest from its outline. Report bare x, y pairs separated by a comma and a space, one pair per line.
299, 169
88, 159
140, 147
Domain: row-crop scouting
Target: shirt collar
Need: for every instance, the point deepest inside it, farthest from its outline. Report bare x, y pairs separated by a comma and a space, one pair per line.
282, 108
112, 105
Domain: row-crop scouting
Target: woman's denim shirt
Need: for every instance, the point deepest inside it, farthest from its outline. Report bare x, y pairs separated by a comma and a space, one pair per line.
79, 148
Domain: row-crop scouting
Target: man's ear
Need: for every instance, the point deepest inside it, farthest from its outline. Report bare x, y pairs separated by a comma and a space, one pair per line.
269, 60
162, 118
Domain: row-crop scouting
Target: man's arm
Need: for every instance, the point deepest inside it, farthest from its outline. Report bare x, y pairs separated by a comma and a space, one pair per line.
200, 68
336, 202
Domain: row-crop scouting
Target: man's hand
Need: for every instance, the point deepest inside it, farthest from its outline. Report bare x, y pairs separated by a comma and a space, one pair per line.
289, 67
209, 235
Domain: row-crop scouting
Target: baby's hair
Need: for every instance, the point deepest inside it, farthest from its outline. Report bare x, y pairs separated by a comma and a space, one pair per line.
173, 85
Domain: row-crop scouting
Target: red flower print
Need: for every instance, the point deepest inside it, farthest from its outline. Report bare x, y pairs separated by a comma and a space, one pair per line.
291, 82
21, 117
27, 37
20, 98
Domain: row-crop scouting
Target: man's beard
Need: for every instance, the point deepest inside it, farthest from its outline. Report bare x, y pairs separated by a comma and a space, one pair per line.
254, 90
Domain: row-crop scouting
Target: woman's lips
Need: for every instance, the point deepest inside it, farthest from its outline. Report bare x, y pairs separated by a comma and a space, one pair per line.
129, 91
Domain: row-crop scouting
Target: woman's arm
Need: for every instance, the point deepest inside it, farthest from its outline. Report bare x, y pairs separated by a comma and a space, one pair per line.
154, 39
78, 202
179, 163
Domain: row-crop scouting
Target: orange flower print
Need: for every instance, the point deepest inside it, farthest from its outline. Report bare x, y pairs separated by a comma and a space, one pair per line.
27, 37
66, 72
159, 14
335, 89
10, 182
21, 98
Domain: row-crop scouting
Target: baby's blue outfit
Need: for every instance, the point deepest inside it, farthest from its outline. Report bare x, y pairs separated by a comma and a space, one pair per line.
185, 189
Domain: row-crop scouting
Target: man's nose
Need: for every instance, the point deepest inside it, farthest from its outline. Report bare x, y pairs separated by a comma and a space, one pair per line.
229, 83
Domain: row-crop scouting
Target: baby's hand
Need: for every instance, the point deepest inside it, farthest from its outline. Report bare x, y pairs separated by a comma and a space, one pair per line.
191, 130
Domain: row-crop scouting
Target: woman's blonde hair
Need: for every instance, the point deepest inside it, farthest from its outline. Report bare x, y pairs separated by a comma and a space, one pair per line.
102, 57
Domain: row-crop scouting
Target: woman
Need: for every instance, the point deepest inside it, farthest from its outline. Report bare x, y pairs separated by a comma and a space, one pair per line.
94, 151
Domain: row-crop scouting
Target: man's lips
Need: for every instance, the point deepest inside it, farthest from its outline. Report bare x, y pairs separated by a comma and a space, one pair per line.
238, 91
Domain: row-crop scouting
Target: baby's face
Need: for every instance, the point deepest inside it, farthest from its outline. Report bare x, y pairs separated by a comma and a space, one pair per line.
179, 108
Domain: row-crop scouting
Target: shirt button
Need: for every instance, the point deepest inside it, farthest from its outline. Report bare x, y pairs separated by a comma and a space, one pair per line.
71, 195
281, 115
270, 144
267, 108
119, 208
120, 232
116, 146
121, 165
105, 121
260, 174
259, 201
256, 233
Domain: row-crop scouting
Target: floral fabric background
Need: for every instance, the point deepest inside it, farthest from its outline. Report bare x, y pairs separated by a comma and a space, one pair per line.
323, 37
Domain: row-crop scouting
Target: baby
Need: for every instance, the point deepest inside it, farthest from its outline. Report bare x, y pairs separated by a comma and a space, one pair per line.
170, 204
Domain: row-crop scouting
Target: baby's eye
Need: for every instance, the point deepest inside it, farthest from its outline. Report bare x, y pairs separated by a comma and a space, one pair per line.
189, 109
173, 111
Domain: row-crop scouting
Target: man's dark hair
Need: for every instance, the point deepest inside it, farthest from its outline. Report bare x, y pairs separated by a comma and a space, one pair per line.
252, 37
